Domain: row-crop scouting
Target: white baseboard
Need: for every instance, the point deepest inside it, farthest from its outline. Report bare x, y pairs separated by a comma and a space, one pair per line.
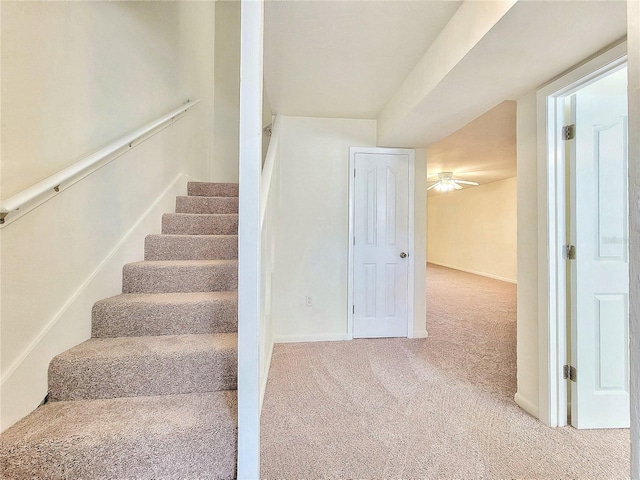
526, 405
475, 272
420, 334
329, 337
321, 337
265, 375
24, 383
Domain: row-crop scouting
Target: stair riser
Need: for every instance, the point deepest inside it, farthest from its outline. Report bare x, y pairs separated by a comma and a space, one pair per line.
142, 375
149, 458
140, 319
191, 224
204, 189
207, 205
190, 247
137, 278
125, 439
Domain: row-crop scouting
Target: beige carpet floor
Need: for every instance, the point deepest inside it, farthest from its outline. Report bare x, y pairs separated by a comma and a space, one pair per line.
440, 407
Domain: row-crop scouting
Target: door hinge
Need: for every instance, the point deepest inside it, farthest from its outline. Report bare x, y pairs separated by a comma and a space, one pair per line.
354, 240
354, 173
569, 252
569, 373
569, 132
353, 309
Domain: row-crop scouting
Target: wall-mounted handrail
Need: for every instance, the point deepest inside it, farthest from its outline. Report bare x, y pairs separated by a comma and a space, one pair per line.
267, 169
53, 182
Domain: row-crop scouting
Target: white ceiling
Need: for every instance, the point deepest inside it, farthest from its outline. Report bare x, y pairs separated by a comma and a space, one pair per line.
346, 59
533, 43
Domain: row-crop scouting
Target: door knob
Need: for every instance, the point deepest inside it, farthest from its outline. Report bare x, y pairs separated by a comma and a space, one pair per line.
403, 255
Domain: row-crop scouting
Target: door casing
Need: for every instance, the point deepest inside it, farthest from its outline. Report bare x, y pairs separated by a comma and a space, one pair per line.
552, 278
350, 265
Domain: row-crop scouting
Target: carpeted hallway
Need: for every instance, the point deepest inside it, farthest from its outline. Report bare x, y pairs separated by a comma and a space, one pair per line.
440, 407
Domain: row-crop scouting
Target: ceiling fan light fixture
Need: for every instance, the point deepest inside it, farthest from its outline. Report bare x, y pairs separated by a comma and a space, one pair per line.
445, 187
446, 183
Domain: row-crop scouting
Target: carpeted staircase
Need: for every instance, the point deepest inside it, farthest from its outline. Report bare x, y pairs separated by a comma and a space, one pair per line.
153, 393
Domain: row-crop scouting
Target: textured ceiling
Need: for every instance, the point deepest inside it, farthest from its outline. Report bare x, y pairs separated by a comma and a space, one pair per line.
344, 59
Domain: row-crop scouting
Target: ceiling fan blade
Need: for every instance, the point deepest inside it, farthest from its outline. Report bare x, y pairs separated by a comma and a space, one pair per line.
456, 186
434, 185
464, 182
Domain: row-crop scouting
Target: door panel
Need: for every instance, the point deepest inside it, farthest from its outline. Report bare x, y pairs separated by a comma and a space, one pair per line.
381, 224
600, 272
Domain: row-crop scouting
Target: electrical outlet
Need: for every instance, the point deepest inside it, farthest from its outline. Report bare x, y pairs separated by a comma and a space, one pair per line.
308, 301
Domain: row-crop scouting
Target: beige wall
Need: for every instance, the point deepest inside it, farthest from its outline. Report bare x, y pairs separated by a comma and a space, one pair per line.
227, 91
75, 76
527, 303
474, 229
311, 248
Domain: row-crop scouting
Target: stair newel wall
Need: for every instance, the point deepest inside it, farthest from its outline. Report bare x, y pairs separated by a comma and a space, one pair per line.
250, 324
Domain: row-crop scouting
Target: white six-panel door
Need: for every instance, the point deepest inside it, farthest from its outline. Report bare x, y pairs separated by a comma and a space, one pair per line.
600, 272
380, 245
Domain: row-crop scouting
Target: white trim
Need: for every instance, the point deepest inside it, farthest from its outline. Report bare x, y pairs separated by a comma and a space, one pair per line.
350, 274
85, 284
475, 272
420, 334
526, 405
411, 267
319, 337
552, 340
249, 241
412, 257
265, 376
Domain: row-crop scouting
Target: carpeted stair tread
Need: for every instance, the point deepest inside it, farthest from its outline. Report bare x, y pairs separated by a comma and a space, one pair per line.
208, 189
206, 204
164, 276
200, 224
163, 437
152, 394
144, 366
138, 314
190, 247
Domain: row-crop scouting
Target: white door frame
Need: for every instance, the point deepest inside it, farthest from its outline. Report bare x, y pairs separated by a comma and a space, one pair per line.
552, 281
410, 274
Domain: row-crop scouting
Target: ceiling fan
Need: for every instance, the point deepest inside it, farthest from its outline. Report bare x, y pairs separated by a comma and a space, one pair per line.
448, 183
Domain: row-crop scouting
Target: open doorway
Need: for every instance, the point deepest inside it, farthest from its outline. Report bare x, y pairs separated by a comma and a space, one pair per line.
473, 227
471, 249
